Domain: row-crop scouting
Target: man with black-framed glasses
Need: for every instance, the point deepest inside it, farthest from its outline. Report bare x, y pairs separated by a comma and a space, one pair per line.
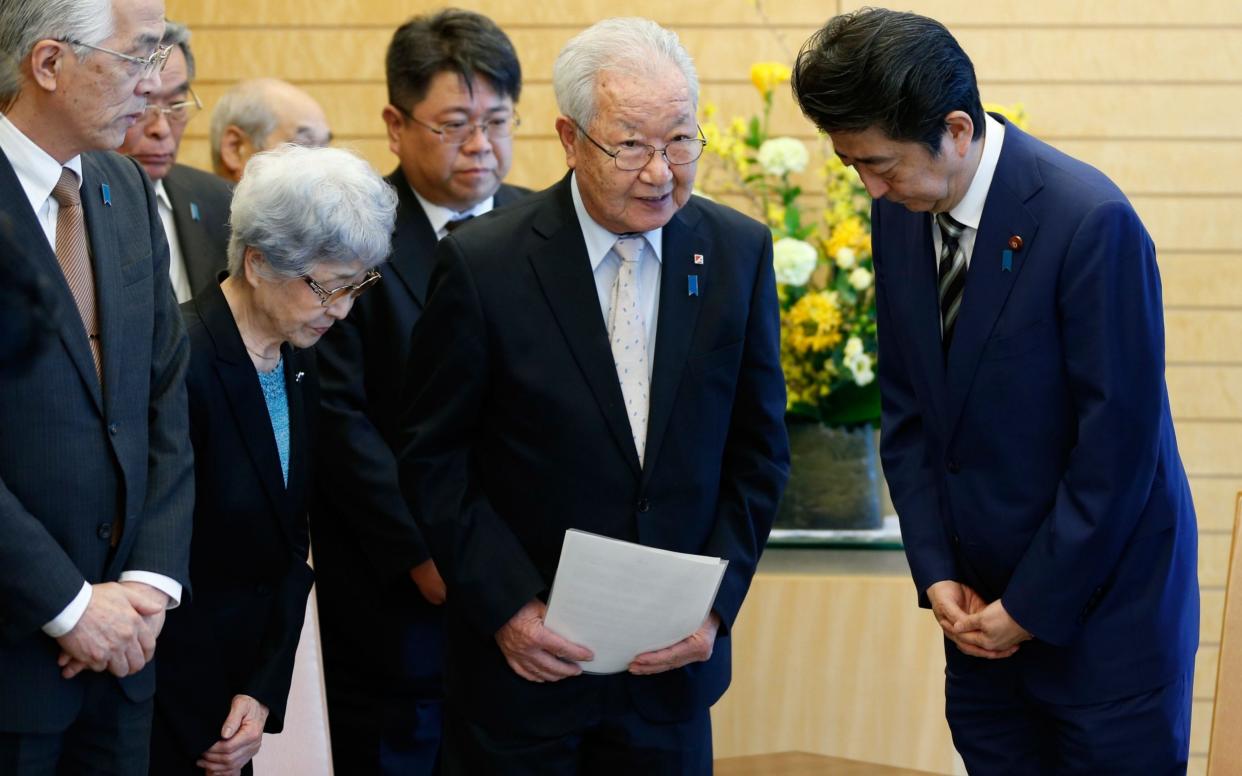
96, 487
193, 205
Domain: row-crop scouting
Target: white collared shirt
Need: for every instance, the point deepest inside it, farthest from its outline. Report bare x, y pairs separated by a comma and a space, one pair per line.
38, 173
969, 212
606, 265
439, 216
177, 270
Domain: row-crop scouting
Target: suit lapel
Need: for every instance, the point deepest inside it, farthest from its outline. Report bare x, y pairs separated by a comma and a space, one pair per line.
298, 457
564, 273
413, 241
192, 237
678, 314
105, 260
922, 309
989, 281
241, 388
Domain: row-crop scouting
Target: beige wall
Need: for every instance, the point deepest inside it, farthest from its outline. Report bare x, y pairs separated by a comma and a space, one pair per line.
1147, 90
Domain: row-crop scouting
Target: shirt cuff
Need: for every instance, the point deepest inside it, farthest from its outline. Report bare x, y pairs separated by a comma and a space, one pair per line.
69, 616
158, 581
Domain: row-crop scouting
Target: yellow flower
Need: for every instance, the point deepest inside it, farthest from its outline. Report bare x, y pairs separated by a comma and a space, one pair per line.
1015, 114
767, 75
813, 324
847, 233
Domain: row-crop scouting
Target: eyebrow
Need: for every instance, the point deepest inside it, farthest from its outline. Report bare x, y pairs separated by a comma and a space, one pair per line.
870, 160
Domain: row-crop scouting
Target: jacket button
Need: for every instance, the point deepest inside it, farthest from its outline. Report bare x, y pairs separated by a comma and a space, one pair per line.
104, 531
112, 429
953, 466
643, 505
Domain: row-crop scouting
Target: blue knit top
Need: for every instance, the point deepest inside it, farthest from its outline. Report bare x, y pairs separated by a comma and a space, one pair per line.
273, 384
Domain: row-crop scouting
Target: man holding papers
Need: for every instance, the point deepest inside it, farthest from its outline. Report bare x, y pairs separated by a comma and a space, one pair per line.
601, 356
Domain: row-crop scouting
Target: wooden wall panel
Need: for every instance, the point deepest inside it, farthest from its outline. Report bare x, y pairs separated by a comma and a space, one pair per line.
1146, 90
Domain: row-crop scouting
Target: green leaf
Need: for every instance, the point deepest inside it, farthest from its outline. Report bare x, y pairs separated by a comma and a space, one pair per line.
851, 405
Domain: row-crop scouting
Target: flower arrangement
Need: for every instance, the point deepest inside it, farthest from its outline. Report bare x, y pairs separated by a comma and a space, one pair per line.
821, 255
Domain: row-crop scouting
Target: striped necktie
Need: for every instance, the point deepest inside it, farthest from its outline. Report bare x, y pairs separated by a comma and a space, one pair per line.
952, 282
74, 259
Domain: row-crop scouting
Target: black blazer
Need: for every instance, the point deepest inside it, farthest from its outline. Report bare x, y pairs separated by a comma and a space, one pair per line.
366, 541
75, 456
200, 205
240, 632
517, 431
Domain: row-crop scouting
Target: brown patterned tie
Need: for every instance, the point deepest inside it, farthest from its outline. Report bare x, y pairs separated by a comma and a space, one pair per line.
74, 259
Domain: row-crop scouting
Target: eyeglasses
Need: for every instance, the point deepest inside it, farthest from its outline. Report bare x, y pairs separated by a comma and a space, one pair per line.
636, 156
143, 67
328, 298
176, 113
459, 132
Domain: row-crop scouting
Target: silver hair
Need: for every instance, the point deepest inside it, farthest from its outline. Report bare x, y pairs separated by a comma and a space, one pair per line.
179, 35
248, 107
302, 207
627, 45
23, 23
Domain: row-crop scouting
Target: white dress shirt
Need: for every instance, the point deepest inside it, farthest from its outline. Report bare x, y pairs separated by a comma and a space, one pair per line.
969, 212
439, 216
177, 271
606, 265
38, 173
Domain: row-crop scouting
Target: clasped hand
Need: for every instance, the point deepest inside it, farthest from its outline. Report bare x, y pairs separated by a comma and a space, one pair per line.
977, 628
117, 632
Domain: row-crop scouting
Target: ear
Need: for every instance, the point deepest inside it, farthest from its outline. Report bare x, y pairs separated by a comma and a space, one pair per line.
567, 131
252, 260
235, 149
394, 125
46, 60
960, 130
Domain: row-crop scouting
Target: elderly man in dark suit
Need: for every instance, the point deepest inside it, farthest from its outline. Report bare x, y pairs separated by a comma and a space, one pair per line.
194, 205
453, 80
603, 355
96, 488
1027, 436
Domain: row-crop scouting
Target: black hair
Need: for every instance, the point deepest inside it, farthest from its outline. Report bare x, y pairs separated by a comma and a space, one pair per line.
452, 40
898, 72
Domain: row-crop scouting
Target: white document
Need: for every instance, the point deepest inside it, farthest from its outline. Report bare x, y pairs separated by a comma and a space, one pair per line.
620, 599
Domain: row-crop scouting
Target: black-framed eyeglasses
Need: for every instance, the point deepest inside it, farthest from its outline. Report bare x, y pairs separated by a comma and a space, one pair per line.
329, 297
142, 67
630, 158
459, 132
176, 113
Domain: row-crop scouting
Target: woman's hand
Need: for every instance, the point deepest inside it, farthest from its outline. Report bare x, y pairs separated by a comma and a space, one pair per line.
240, 738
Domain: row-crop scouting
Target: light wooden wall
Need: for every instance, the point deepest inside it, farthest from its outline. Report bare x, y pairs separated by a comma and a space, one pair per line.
1148, 90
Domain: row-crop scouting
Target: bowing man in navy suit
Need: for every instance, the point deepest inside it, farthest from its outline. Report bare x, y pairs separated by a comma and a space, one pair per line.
530, 416
1027, 438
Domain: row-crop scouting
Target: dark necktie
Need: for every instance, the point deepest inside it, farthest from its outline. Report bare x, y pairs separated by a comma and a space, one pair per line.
952, 275
456, 222
74, 259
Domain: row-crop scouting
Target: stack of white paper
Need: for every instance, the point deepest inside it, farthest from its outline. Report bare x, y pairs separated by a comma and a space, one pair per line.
620, 599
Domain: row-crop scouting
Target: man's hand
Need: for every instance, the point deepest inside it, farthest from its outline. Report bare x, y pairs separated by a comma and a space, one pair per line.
113, 633
429, 582
695, 648
954, 603
240, 738
992, 629
535, 653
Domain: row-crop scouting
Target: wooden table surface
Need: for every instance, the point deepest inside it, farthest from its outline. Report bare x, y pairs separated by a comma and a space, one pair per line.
805, 764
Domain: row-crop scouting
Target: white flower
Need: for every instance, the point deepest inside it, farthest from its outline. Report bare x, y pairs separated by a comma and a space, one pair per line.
853, 347
860, 278
794, 261
783, 154
864, 376
846, 258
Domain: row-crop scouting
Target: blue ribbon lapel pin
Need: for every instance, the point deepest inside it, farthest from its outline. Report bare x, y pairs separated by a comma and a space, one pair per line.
106, 194
692, 285
194, 214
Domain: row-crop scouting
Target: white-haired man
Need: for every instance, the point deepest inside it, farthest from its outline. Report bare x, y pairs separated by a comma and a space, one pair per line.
96, 487
529, 416
260, 114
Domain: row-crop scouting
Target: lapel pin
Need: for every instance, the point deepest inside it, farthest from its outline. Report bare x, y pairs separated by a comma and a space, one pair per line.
194, 211
106, 193
692, 284
297, 378
1015, 243
1007, 261
698, 258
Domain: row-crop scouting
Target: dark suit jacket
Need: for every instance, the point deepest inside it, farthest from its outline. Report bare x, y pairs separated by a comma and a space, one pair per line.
1041, 465
366, 540
200, 205
517, 432
248, 558
74, 456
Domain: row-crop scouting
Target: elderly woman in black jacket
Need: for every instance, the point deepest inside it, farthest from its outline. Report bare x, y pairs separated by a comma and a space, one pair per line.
309, 227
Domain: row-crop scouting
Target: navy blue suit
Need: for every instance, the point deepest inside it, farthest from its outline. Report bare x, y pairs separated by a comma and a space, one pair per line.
1038, 462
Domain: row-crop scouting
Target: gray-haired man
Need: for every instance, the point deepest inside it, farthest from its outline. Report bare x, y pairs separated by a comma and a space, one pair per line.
259, 114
